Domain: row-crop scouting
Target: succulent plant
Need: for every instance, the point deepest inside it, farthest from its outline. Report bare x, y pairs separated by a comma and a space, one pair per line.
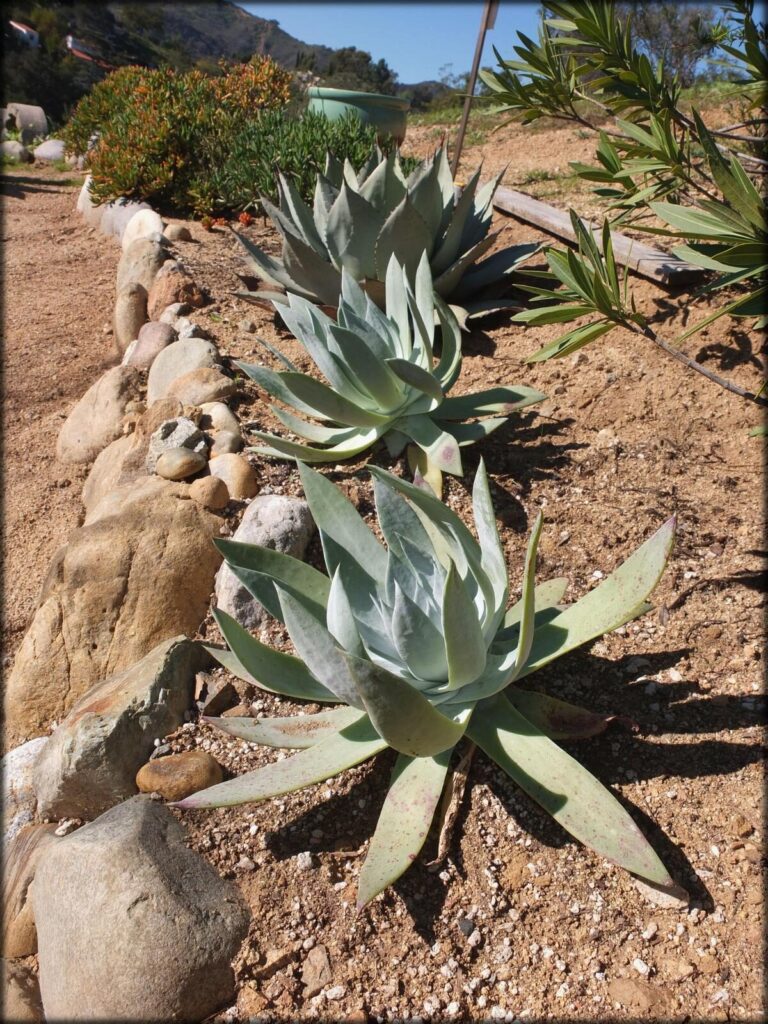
358, 221
383, 379
416, 641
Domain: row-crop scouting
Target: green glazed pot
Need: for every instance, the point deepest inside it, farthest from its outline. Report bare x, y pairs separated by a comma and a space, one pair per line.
388, 114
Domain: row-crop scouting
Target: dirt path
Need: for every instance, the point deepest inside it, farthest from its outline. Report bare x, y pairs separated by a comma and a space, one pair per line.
59, 289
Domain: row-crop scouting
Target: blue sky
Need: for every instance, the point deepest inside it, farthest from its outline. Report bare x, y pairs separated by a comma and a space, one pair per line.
415, 39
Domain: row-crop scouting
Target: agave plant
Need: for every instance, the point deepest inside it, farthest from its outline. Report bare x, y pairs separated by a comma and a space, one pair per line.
382, 378
416, 641
358, 221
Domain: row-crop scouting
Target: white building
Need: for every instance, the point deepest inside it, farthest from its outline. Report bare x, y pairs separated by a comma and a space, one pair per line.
25, 33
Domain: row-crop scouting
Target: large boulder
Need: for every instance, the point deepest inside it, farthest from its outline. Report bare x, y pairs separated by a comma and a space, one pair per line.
175, 361
91, 760
133, 925
140, 262
97, 418
21, 993
138, 572
16, 151
19, 799
50, 151
142, 225
271, 521
117, 214
90, 211
31, 121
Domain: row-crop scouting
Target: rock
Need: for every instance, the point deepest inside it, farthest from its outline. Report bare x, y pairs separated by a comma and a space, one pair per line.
175, 361
178, 233
176, 433
677, 899
140, 263
224, 442
116, 215
31, 121
221, 695
21, 994
171, 313
97, 419
172, 284
139, 571
130, 314
188, 329
91, 760
180, 463
179, 775
21, 857
133, 925
143, 224
210, 492
271, 521
19, 800
247, 326
237, 473
316, 971
153, 338
50, 151
218, 416
13, 150
90, 211
198, 387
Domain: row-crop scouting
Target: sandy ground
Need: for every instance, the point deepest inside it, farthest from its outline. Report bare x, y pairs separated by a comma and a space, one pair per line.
520, 922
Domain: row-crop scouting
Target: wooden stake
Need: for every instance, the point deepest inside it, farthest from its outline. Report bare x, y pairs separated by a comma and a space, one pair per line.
487, 21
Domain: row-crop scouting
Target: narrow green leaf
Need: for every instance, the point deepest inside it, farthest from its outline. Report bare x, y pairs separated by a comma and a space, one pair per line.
463, 634
404, 234
557, 718
547, 595
484, 403
571, 341
294, 731
263, 567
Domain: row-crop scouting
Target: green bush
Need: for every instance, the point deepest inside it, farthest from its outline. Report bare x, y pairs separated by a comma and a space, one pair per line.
198, 144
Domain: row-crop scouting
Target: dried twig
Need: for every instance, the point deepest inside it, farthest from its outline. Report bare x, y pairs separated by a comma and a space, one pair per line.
451, 804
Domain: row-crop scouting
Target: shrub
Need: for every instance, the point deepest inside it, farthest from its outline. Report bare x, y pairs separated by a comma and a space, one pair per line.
202, 144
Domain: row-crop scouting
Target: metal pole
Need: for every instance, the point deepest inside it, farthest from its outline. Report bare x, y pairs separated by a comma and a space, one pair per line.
486, 22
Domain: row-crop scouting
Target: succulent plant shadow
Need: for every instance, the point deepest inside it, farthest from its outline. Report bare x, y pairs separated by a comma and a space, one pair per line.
479, 343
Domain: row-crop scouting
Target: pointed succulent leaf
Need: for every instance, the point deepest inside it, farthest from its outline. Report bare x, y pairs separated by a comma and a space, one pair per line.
294, 731
491, 551
495, 268
409, 807
351, 232
547, 595
484, 403
370, 368
528, 600
566, 790
413, 375
275, 385
557, 718
470, 433
352, 745
308, 393
325, 194
269, 669
613, 602
406, 235
449, 248
400, 714
419, 643
341, 618
310, 272
267, 268
314, 431
357, 440
300, 213
428, 199
465, 644
259, 569
441, 448
447, 281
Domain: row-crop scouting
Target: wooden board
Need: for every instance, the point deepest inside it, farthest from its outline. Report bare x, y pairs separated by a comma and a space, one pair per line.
644, 259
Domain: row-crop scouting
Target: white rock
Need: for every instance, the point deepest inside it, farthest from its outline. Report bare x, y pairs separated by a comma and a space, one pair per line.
19, 799
142, 224
50, 151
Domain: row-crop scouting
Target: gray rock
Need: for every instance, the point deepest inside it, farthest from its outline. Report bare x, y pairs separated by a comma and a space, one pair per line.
116, 215
91, 760
152, 339
97, 419
172, 312
13, 150
180, 463
130, 315
50, 151
19, 801
31, 121
174, 361
178, 233
272, 521
187, 329
177, 433
143, 224
89, 210
224, 442
139, 571
140, 262
133, 925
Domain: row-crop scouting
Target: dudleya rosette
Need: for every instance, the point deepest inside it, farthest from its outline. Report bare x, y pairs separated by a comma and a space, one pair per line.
417, 643
358, 221
384, 380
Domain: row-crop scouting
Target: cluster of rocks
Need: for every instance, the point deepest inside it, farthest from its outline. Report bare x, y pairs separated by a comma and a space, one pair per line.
108, 914
31, 124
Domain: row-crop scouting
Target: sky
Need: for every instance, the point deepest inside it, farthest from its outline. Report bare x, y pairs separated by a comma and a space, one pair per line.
417, 40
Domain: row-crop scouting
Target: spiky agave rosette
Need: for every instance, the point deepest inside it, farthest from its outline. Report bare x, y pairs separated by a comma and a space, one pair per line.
384, 380
358, 221
415, 640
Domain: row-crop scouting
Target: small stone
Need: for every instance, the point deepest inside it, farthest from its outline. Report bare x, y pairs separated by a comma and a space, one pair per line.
650, 931
142, 224
218, 416
180, 432
210, 492
179, 775
237, 473
245, 864
153, 337
177, 233
247, 326
224, 442
13, 150
201, 386
316, 972
173, 311
304, 861
130, 314
221, 696
179, 463
674, 676
187, 329
172, 284
676, 900
177, 360
641, 966
335, 993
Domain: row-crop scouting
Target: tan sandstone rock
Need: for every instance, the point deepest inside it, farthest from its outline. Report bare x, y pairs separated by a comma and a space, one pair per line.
178, 775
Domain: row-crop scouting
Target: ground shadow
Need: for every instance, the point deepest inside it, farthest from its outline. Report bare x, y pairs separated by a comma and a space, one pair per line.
737, 351
16, 187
